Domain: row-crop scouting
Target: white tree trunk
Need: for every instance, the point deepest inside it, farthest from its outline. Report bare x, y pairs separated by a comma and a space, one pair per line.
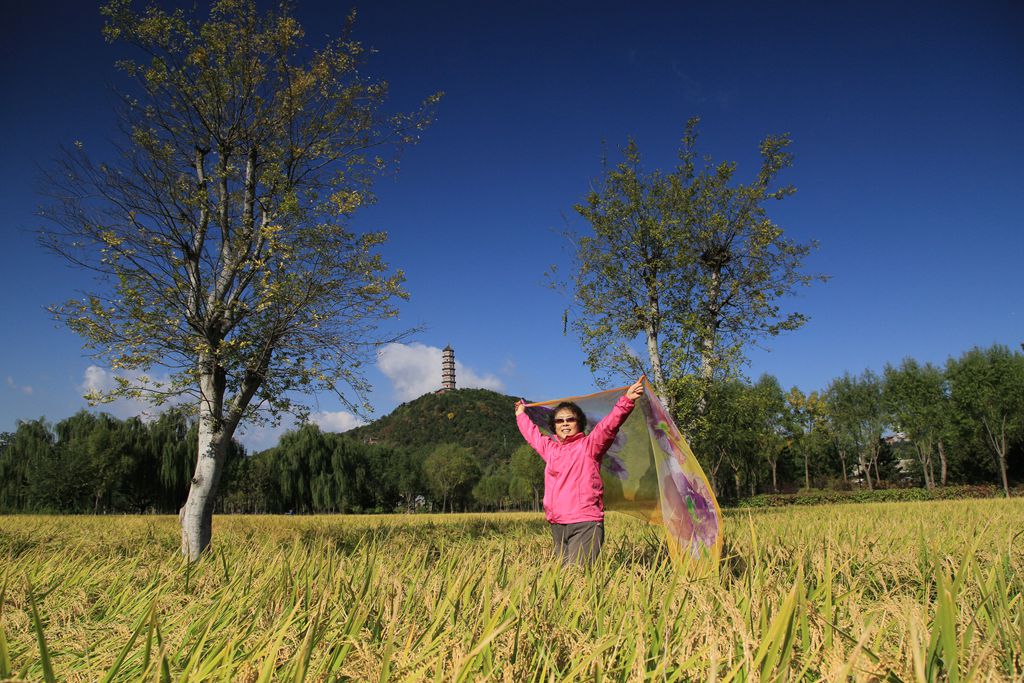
708, 359
997, 439
654, 354
651, 330
865, 468
1002, 458
1002, 470
943, 466
874, 461
924, 456
712, 473
196, 515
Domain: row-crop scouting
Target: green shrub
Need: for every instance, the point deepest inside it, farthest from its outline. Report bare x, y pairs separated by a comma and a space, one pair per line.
828, 496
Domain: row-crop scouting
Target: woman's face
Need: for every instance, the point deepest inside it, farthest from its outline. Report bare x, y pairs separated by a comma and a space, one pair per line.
566, 424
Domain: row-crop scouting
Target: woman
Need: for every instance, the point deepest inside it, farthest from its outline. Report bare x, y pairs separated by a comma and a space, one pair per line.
573, 492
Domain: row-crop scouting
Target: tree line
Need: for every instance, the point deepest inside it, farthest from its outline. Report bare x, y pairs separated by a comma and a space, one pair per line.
312, 471
97, 464
915, 424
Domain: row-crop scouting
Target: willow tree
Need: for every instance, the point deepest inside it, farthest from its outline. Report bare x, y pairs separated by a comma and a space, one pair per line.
687, 264
219, 236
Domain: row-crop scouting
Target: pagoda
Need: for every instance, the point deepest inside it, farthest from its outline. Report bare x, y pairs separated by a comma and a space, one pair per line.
448, 369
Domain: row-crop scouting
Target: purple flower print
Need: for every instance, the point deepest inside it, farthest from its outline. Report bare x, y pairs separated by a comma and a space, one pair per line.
692, 519
615, 466
668, 438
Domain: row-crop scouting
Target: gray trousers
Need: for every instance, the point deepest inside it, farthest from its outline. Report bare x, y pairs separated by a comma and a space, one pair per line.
578, 543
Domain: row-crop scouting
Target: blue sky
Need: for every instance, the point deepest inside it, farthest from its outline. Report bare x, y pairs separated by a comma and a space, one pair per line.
906, 120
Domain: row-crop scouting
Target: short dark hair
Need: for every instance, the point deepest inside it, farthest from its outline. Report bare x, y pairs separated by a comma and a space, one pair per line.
581, 419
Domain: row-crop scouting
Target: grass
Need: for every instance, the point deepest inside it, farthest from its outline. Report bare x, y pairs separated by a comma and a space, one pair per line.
898, 591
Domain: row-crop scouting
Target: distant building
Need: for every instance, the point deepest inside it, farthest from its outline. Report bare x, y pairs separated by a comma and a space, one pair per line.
447, 369
895, 438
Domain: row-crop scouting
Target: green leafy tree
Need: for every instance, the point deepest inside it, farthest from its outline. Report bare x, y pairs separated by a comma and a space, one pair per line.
729, 436
402, 471
527, 482
304, 462
855, 408
60, 476
173, 440
449, 471
137, 490
265, 483
219, 237
12, 477
916, 396
987, 386
349, 474
111, 454
836, 431
630, 270
806, 420
104, 453
688, 263
28, 453
491, 491
767, 407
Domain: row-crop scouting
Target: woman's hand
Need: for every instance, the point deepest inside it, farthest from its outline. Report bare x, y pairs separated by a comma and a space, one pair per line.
520, 407
636, 389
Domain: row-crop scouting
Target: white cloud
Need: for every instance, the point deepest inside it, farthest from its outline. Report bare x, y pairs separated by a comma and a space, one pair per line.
257, 438
17, 387
254, 437
99, 380
415, 369
337, 421
468, 379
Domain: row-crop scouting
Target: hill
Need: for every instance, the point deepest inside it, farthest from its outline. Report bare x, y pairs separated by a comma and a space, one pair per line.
479, 419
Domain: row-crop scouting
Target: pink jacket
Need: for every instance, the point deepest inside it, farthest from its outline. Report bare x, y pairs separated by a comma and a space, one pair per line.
573, 491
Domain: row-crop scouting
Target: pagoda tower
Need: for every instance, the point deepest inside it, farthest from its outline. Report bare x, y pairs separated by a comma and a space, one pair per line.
448, 369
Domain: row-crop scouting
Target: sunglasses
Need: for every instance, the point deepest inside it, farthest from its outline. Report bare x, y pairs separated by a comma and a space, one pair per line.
563, 420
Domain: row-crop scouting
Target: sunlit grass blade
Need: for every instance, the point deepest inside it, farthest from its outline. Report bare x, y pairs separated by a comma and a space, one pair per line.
112, 673
270, 659
44, 652
5, 654
777, 646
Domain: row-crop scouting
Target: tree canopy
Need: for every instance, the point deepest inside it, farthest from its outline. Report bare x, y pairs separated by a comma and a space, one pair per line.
987, 385
686, 261
220, 236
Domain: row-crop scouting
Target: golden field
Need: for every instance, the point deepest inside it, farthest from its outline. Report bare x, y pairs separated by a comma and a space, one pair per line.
901, 591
